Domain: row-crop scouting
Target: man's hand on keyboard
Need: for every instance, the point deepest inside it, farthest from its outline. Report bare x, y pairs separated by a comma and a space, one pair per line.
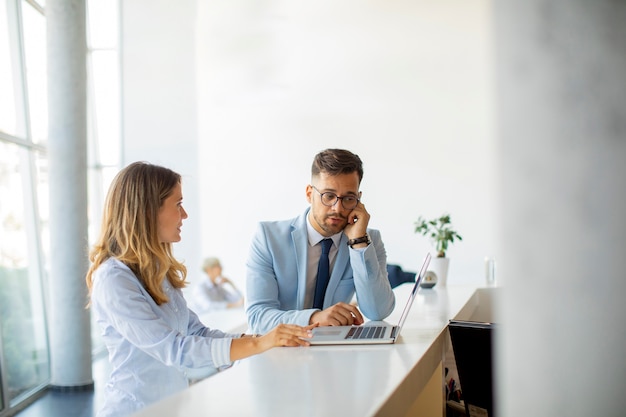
340, 314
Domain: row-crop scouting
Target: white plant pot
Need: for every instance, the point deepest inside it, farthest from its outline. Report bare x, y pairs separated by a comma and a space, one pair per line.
440, 267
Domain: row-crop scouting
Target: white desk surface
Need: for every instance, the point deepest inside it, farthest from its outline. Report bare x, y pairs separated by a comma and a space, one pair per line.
330, 380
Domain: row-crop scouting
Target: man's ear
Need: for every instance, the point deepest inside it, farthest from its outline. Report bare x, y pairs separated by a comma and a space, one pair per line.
309, 190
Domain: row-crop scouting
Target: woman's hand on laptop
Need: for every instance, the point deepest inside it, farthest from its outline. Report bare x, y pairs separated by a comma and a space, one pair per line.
340, 314
281, 335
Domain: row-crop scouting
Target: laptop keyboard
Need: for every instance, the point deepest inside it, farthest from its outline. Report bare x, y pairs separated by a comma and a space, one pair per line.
366, 332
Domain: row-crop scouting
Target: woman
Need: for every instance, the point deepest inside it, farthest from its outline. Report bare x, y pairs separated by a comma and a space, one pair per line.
135, 287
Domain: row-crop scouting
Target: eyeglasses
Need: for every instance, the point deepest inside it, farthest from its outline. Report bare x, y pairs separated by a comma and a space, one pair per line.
330, 199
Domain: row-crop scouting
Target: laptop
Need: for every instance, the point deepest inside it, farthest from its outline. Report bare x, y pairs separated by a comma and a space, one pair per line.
372, 332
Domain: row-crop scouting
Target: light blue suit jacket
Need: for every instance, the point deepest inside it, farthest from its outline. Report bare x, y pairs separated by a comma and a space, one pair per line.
276, 276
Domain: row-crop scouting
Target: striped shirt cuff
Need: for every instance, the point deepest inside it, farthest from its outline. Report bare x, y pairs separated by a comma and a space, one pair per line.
220, 351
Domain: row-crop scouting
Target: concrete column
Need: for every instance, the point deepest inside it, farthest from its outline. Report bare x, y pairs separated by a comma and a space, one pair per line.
561, 102
70, 341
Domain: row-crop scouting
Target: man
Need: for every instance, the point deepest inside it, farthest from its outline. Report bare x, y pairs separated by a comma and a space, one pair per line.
282, 268
216, 292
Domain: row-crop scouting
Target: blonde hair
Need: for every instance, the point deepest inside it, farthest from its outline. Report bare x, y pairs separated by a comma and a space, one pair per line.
129, 229
210, 263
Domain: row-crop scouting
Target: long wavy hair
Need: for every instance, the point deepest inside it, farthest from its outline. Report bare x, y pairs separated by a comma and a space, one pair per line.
129, 229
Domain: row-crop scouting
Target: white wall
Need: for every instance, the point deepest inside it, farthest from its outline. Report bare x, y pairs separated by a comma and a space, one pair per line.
239, 96
159, 122
404, 84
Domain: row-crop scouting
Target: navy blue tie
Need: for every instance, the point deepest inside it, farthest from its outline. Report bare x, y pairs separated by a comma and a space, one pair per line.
323, 274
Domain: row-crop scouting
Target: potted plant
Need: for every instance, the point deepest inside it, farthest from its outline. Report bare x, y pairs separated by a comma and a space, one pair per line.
441, 234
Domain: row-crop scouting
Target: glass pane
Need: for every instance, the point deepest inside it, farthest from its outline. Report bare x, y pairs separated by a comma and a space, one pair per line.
96, 199
103, 24
35, 53
9, 73
41, 189
105, 112
104, 115
1, 376
22, 318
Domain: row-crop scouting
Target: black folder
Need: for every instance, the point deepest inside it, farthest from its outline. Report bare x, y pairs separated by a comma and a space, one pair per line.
472, 343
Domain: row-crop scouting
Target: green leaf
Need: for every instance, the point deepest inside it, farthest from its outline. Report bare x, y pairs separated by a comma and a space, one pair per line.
439, 230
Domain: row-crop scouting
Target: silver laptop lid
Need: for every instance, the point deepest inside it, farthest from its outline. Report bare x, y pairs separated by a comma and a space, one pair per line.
409, 303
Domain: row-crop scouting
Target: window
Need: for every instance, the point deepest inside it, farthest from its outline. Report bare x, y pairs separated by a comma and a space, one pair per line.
23, 183
24, 232
104, 114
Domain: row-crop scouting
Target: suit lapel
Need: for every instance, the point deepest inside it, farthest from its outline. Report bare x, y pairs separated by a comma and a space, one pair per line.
300, 241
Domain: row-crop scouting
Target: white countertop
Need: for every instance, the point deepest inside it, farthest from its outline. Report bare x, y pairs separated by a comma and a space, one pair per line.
331, 380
